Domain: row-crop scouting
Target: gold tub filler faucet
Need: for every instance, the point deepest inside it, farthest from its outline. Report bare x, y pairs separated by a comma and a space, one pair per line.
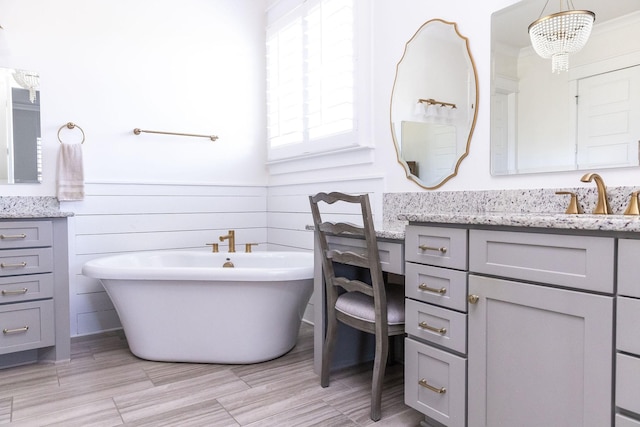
231, 236
232, 240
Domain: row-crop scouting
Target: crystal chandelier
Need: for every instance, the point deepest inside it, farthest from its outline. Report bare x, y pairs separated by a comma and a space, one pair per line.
557, 35
28, 80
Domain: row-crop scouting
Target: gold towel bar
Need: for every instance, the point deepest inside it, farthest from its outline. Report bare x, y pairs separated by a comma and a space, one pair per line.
138, 131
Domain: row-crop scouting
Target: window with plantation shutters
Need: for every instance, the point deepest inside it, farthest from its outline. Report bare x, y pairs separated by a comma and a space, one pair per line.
311, 79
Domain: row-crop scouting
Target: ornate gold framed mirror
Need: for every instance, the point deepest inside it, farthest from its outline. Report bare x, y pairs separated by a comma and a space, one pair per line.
434, 103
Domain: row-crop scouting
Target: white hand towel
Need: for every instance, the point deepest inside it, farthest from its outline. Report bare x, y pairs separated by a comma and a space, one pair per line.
70, 177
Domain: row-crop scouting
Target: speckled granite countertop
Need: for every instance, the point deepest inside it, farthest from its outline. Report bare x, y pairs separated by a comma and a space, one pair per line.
617, 223
390, 234
532, 208
30, 207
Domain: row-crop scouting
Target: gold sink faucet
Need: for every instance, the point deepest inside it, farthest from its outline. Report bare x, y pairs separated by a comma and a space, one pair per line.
602, 207
232, 240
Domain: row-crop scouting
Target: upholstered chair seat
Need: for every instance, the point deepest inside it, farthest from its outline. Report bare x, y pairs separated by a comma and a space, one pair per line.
361, 306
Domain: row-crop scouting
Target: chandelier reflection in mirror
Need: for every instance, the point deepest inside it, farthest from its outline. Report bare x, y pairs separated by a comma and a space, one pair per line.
557, 35
28, 80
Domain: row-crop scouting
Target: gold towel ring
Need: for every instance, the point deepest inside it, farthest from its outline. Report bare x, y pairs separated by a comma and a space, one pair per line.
70, 125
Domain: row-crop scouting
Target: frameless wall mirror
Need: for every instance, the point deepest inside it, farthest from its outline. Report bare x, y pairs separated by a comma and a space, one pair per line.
434, 103
20, 136
585, 118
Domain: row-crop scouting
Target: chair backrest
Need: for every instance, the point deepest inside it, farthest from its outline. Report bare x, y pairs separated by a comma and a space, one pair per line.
368, 258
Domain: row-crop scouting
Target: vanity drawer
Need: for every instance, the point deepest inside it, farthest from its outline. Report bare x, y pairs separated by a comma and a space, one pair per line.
628, 256
628, 319
446, 328
25, 234
446, 373
439, 246
627, 382
26, 261
26, 325
581, 262
435, 285
391, 253
24, 288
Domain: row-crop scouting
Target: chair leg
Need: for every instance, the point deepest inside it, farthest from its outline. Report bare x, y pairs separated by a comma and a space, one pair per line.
391, 359
327, 351
379, 365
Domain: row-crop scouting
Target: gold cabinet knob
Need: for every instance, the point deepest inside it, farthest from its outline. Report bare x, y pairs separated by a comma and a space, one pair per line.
473, 299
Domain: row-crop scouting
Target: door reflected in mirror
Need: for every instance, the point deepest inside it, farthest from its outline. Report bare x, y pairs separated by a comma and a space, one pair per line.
20, 135
585, 118
434, 148
434, 104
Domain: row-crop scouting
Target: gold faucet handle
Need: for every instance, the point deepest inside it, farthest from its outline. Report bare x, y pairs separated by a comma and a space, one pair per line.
247, 247
214, 247
574, 206
633, 208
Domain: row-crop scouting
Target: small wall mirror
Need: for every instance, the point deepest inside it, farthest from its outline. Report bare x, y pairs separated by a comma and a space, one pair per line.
434, 103
585, 118
20, 132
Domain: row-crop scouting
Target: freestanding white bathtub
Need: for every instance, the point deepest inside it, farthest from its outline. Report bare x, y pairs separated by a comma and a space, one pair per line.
183, 306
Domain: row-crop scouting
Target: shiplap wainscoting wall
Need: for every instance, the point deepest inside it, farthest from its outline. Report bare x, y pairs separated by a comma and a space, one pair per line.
118, 218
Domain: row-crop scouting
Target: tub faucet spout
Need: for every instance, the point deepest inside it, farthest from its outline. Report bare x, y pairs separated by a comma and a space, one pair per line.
602, 207
232, 240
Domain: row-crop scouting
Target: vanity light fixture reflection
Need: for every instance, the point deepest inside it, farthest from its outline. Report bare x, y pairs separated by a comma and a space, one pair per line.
557, 35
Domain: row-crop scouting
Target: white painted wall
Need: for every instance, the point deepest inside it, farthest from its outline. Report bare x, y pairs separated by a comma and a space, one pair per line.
197, 66
194, 66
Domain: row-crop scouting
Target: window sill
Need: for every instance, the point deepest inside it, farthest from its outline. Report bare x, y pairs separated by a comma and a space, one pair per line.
322, 160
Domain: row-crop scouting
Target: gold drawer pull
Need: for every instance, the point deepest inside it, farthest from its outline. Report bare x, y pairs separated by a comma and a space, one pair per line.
424, 325
14, 291
425, 384
13, 236
473, 299
19, 264
431, 248
15, 331
424, 287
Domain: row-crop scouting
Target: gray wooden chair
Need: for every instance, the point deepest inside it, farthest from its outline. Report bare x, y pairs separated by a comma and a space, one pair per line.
374, 308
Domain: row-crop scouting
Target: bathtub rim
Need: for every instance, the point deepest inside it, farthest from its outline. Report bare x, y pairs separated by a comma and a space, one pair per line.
108, 267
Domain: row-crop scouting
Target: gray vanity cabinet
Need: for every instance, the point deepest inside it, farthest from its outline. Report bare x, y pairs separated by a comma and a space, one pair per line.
436, 323
627, 336
540, 347
515, 327
34, 296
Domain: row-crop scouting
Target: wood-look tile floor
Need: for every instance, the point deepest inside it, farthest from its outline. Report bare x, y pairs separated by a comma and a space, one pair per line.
105, 385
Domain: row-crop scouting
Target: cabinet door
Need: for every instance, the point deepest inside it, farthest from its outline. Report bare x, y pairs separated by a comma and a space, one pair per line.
538, 356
